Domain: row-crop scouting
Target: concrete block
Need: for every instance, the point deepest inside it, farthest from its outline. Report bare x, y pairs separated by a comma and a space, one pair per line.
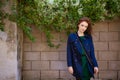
31, 75
40, 47
62, 46
108, 75
63, 37
101, 46
27, 47
95, 36
108, 55
103, 65
40, 65
115, 46
38, 37
27, 65
101, 26
114, 26
55, 36
49, 74
34, 29
49, 55
31, 55
62, 55
109, 36
114, 65
66, 75
58, 65
26, 39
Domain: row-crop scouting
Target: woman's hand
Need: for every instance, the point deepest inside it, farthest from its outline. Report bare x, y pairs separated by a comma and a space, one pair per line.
70, 69
96, 70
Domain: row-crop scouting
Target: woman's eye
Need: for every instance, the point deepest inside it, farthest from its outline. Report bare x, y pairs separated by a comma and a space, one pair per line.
82, 25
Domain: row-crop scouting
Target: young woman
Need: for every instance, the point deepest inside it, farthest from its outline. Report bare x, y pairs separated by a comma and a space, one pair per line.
77, 61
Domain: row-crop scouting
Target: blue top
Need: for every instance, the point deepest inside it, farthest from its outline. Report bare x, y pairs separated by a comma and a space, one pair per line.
74, 59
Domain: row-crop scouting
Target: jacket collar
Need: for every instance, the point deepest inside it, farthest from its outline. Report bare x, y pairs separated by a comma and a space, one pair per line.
86, 35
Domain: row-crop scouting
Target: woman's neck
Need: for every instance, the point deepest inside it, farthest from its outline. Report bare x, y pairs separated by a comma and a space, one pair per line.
80, 33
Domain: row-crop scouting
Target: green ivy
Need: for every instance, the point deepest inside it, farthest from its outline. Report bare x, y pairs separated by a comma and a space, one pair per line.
1, 18
60, 15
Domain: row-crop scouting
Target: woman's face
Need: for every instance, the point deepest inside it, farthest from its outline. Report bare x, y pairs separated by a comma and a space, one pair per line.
82, 27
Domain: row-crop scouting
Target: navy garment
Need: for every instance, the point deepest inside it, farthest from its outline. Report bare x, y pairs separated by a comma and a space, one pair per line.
74, 54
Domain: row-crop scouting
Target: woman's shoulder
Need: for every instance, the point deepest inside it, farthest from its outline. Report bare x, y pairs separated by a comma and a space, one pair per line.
72, 37
71, 34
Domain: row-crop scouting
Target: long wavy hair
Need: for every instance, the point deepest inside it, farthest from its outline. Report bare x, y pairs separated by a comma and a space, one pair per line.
89, 29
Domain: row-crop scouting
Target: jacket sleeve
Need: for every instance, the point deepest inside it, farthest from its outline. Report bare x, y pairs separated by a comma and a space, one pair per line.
69, 52
92, 53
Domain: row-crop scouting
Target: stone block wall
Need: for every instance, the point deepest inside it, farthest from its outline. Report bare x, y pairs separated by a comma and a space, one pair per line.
41, 62
107, 47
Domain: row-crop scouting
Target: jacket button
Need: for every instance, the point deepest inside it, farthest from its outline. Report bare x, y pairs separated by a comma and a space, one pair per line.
75, 60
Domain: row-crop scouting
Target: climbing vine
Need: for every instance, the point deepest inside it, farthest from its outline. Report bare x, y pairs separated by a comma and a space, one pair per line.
61, 15
1, 17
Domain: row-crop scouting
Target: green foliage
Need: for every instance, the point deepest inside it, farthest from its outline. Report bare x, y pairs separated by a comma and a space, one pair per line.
61, 15
113, 8
1, 17
95, 9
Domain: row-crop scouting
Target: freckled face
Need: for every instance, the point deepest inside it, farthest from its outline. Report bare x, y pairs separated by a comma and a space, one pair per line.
82, 27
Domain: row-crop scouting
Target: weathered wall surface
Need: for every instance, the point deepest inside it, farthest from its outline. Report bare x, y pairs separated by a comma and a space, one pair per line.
8, 53
8, 48
41, 62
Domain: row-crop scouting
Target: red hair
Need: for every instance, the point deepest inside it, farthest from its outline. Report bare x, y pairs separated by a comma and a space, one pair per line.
89, 29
